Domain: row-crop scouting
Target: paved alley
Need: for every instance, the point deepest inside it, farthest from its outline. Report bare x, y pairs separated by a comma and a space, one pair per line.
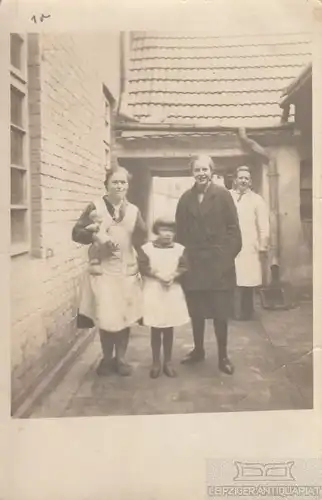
272, 357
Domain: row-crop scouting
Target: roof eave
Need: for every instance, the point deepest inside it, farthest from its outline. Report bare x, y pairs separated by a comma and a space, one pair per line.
292, 90
125, 119
131, 126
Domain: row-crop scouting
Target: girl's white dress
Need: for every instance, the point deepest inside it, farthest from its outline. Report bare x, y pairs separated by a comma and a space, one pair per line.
163, 307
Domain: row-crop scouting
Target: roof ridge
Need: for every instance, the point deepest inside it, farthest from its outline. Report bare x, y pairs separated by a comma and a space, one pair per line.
255, 78
206, 92
223, 67
173, 58
161, 35
223, 46
227, 116
209, 104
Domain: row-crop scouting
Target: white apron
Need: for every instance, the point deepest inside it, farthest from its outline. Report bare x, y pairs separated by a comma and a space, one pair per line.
163, 306
254, 225
113, 300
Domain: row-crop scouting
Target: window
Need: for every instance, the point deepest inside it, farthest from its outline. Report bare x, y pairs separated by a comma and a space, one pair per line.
306, 194
16, 48
19, 184
107, 141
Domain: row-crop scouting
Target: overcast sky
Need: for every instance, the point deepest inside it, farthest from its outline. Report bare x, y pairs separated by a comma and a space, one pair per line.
255, 16
220, 17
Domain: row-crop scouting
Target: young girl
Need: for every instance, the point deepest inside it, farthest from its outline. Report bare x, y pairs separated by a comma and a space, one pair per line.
161, 263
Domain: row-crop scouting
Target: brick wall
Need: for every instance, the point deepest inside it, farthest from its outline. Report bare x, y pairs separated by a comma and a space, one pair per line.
66, 110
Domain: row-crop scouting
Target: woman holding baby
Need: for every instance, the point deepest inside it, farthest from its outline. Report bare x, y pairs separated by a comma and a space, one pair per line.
111, 294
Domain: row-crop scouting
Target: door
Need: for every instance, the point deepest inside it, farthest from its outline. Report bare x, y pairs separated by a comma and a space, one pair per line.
165, 194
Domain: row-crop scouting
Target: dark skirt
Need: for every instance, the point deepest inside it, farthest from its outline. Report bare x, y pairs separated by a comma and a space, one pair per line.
210, 304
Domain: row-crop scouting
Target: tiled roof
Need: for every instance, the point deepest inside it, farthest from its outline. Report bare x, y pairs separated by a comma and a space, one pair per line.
205, 80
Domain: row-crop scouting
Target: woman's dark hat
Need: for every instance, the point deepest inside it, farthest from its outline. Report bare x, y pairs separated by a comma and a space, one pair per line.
167, 222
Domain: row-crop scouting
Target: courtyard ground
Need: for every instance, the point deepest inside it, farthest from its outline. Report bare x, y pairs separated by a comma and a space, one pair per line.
273, 371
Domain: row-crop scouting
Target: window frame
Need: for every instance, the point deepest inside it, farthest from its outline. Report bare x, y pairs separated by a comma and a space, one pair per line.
19, 82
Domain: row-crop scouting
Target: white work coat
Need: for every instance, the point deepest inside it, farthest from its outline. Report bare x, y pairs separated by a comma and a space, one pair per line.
254, 225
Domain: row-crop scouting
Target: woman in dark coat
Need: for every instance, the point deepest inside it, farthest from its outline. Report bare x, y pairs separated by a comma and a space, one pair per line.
208, 227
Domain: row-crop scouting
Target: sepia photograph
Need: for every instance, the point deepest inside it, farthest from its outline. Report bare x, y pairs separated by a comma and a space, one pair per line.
161, 221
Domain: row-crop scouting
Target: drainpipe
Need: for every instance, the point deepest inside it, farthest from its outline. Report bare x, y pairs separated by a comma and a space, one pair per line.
265, 158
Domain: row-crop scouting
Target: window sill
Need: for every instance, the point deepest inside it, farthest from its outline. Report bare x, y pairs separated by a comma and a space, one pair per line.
19, 249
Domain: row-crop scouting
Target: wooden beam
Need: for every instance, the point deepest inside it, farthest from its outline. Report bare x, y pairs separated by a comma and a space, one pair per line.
194, 128
177, 172
176, 154
216, 145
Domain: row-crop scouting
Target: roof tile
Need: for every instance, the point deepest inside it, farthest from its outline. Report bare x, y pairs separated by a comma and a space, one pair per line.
197, 78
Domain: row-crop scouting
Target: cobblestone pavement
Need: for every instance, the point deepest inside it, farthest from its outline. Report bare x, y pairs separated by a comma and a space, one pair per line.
272, 357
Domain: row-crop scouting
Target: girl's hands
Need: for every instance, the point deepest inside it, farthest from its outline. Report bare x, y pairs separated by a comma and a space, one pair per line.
166, 281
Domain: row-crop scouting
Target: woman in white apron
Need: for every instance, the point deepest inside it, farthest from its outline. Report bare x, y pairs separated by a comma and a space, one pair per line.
112, 297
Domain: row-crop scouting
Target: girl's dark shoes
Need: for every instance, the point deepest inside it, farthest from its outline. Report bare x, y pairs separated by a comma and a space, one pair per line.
155, 371
226, 366
169, 371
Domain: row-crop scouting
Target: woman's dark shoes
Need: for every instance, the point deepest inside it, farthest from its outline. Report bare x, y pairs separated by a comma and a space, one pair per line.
194, 356
105, 368
123, 368
226, 366
155, 371
169, 371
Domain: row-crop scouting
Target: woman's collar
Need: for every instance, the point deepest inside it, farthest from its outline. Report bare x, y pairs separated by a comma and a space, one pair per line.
203, 191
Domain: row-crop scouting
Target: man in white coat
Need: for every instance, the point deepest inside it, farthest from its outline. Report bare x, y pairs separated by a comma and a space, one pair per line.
254, 224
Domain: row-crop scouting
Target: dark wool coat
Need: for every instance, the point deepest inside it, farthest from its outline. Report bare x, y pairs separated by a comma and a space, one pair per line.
211, 235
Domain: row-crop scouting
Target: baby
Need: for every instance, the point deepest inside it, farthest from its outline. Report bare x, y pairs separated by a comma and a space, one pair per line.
101, 229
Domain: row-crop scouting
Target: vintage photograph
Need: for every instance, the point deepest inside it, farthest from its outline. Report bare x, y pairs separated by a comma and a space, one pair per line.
161, 222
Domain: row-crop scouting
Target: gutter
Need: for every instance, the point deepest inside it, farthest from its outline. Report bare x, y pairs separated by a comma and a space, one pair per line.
175, 127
